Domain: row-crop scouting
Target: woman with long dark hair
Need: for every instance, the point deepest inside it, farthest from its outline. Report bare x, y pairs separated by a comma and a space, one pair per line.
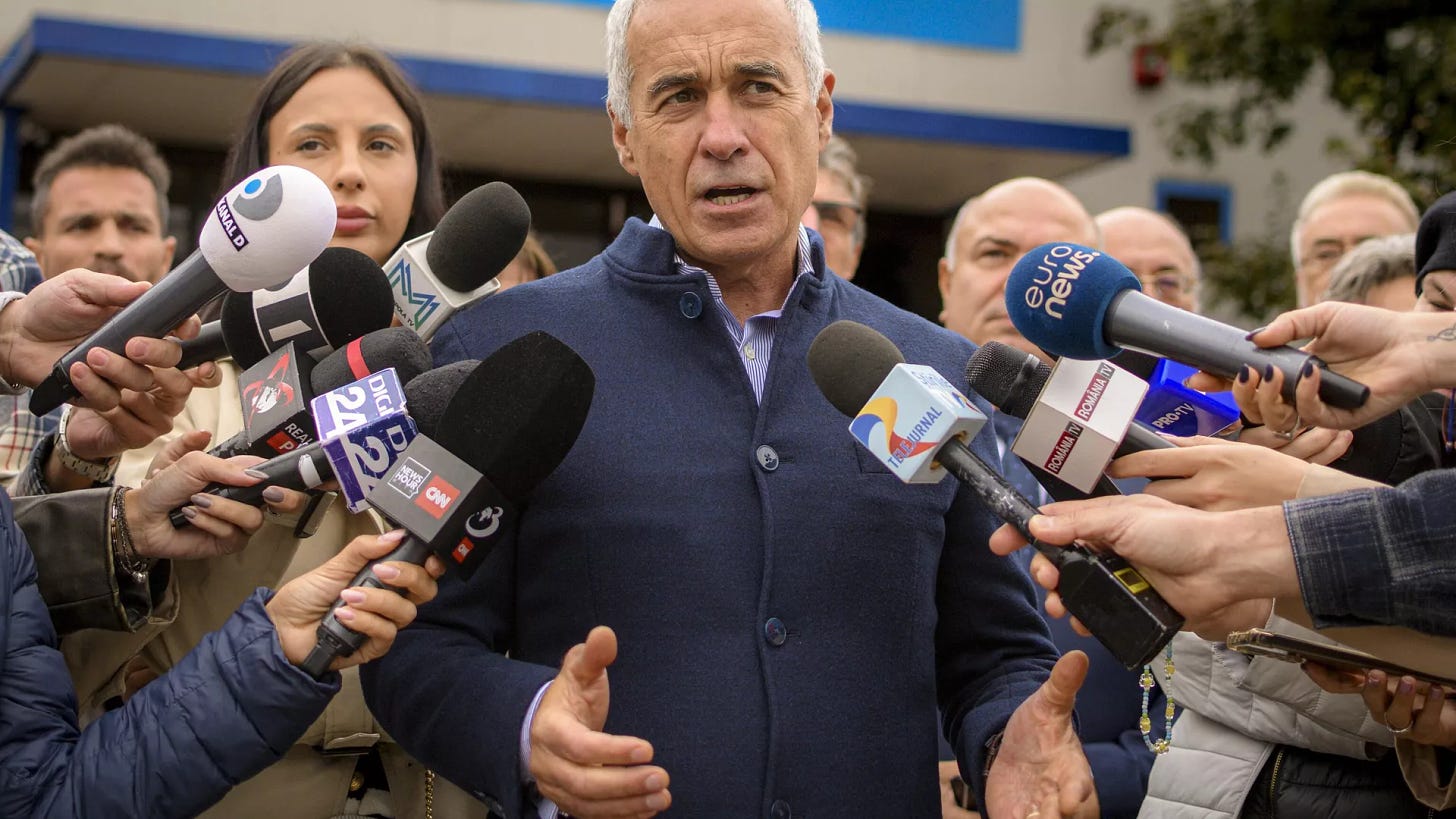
346, 113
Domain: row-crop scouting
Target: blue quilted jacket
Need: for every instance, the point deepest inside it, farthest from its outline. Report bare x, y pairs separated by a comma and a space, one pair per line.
230, 708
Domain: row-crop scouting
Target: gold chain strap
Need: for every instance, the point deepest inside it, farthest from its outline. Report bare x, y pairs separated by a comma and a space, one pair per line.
429, 794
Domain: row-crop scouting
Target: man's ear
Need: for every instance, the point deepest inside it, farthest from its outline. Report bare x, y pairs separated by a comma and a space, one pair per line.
38, 248
825, 107
943, 281
625, 157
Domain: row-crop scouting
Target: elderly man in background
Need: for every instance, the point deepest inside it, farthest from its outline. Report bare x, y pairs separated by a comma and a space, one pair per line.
838, 209
1338, 213
1156, 250
990, 234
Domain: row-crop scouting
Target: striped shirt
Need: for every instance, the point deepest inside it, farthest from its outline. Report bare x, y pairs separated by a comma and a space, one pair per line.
753, 340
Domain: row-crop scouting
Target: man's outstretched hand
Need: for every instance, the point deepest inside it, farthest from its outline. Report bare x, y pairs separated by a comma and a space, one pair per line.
1040, 771
586, 772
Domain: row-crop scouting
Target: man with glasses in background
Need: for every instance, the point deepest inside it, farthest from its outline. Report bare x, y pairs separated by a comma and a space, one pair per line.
1156, 250
1339, 212
838, 208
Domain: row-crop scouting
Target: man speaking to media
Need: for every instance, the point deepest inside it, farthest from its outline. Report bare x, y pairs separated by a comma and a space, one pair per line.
780, 611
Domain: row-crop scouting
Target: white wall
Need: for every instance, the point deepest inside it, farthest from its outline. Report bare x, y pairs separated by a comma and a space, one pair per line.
1050, 78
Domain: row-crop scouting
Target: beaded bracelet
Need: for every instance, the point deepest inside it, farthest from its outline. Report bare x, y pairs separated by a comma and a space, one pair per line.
127, 558
1145, 724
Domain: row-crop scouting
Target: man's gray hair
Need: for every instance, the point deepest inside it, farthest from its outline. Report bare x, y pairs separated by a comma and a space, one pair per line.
1350, 183
839, 160
619, 71
1372, 263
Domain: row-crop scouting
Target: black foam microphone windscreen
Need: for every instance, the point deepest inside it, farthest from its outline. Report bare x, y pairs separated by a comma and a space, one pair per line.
519, 412
848, 361
396, 347
430, 392
345, 295
478, 236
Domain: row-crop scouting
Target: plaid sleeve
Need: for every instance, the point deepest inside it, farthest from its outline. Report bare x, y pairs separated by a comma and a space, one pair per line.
19, 270
1379, 556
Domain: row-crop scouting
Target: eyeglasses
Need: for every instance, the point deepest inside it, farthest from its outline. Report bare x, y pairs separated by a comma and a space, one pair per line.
841, 214
1167, 285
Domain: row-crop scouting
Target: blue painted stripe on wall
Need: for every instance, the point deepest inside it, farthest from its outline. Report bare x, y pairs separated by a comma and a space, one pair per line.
84, 40
9, 165
989, 24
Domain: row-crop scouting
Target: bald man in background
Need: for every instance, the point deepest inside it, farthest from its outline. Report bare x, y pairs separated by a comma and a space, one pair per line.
1156, 250
990, 234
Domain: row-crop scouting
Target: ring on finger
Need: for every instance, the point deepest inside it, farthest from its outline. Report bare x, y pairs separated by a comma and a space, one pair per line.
1293, 431
1399, 731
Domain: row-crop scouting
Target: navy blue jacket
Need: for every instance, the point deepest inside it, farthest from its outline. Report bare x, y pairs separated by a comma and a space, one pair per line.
232, 706
784, 631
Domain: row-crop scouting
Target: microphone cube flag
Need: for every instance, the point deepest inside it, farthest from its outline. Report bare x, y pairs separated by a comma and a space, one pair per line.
363, 427
1174, 409
912, 414
418, 298
1079, 420
275, 419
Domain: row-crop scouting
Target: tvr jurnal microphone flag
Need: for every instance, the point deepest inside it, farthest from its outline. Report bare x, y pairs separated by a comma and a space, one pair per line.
856, 367
1077, 302
260, 233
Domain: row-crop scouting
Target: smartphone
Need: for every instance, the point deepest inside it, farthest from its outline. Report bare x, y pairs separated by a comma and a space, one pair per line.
1260, 642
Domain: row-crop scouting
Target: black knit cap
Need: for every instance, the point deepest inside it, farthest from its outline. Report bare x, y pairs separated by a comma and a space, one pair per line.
1436, 239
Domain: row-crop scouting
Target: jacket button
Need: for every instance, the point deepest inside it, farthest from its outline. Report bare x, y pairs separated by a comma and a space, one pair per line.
776, 633
780, 810
691, 305
767, 458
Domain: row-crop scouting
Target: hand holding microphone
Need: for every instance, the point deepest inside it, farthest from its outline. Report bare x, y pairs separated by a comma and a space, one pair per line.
260, 233
1400, 355
1184, 552
863, 375
40, 327
513, 419
1077, 302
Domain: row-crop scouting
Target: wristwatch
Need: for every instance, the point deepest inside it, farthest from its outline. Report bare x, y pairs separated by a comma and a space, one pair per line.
98, 471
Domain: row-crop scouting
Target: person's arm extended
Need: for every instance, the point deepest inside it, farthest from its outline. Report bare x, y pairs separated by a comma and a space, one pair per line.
79, 579
1375, 557
230, 707
447, 678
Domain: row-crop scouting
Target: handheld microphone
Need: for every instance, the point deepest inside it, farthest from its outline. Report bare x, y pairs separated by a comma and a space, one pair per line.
511, 422
1011, 380
445, 271
1077, 302
262, 231
339, 297
1180, 410
275, 396
209, 345
1109, 596
310, 466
